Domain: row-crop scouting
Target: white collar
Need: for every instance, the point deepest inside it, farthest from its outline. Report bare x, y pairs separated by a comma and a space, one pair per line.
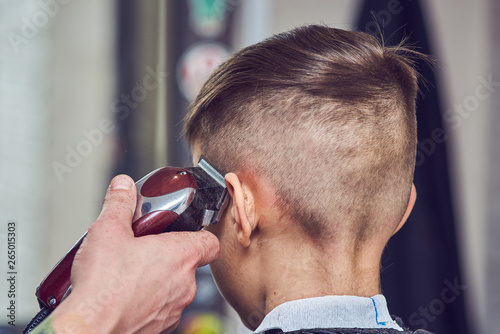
330, 312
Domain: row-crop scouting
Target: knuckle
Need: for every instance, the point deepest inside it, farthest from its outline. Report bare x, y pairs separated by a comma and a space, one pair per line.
190, 294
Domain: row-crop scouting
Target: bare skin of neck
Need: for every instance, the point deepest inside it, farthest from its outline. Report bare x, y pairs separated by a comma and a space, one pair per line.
296, 269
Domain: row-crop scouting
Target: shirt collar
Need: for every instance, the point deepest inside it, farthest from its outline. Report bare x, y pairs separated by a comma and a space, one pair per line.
329, 312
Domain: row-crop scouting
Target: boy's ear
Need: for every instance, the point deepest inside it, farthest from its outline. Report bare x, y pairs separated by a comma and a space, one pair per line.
411, 203
242, 208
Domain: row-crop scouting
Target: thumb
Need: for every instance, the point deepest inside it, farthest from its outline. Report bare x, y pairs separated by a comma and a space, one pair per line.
119, 205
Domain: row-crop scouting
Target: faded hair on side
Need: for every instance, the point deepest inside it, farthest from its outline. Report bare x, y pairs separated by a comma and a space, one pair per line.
327, 117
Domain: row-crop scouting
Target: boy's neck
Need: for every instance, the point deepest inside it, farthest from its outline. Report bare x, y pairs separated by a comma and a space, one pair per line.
297, 270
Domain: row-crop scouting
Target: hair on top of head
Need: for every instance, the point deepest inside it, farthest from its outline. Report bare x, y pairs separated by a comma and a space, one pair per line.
327, 117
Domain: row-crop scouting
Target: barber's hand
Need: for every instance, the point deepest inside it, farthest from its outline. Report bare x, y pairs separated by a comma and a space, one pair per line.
123, 284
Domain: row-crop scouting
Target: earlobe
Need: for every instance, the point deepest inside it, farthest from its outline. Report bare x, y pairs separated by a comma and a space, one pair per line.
241, 209
411, 203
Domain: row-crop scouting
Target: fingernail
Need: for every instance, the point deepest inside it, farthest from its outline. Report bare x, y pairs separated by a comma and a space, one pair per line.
121, 182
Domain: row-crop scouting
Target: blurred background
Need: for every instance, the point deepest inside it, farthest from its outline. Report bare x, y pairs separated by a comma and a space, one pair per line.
89, 89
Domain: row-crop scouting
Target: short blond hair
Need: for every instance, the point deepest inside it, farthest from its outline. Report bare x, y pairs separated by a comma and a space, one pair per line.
327, 116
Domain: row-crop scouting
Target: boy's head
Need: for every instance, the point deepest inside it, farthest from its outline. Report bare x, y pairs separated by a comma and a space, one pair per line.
324, 121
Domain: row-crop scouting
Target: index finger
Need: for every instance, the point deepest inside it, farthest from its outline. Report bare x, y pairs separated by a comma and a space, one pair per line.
209, 247
201, 247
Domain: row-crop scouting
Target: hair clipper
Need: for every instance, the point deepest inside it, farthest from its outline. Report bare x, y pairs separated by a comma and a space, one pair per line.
168, 199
